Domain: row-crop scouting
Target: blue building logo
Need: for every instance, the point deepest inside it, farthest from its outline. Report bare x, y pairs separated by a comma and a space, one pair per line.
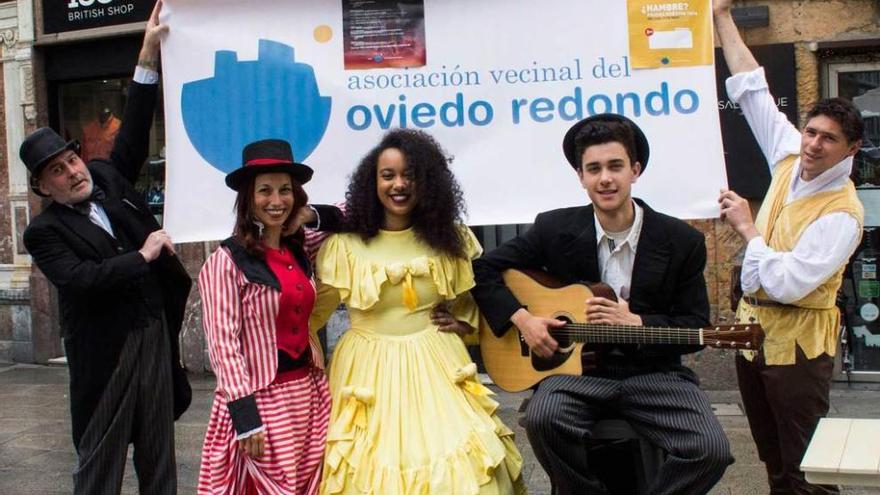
272, 97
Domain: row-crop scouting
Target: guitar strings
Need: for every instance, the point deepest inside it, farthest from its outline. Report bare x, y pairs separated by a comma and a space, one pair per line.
609, 333
589, 333
640, 329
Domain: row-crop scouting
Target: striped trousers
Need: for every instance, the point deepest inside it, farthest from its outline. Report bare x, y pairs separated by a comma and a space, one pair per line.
136, 407
666, 408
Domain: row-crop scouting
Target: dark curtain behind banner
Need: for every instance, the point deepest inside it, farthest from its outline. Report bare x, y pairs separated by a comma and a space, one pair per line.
747, 170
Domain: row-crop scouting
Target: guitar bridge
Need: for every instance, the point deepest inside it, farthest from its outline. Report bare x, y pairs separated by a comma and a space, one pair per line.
523, 347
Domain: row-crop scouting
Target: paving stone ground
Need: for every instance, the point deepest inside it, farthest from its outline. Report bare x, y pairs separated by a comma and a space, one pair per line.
37, 456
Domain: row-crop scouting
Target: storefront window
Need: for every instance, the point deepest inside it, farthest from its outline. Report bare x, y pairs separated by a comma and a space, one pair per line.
863, 294
91, 111
860, 82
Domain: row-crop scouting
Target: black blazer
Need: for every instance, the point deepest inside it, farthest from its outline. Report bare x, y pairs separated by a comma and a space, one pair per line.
101, 296
667, 288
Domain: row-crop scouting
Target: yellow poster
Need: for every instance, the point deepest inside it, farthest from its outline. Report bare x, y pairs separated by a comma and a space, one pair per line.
670, 34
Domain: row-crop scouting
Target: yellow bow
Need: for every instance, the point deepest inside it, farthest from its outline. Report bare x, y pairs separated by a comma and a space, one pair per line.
465, 377
404, 272
357, 399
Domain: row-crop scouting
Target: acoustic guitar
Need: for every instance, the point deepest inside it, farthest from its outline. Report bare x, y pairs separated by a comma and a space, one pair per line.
513, 367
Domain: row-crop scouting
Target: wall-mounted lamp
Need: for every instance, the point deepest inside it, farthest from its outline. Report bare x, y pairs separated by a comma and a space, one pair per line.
753, 16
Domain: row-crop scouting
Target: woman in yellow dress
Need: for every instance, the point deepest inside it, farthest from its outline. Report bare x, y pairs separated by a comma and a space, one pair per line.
409, 415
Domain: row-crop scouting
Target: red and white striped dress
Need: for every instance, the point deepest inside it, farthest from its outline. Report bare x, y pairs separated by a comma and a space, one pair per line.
240, 326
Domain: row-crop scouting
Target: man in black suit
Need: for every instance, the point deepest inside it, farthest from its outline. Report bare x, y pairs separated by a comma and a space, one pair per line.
655, 265
122, 294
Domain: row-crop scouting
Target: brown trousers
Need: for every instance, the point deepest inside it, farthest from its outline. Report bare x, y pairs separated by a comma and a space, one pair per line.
784, 404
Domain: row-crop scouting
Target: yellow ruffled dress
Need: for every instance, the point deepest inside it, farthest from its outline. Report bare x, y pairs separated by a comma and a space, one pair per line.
409, 415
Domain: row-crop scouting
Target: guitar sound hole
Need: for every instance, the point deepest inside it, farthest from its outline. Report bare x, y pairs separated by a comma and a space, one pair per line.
562, 337
558, 357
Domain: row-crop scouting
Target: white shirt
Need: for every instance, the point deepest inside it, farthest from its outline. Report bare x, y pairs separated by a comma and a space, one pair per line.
825, 244
97, 215
616, 264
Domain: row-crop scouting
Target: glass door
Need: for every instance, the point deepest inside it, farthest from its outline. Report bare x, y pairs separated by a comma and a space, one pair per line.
860, 357
91, 112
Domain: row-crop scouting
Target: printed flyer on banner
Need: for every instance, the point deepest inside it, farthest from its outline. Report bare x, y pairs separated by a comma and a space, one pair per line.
496, 82
670, 34
383, 33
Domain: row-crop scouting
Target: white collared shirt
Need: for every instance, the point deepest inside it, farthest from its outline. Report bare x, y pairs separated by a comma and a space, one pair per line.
144, 75
99, 217
616, 263
825, 244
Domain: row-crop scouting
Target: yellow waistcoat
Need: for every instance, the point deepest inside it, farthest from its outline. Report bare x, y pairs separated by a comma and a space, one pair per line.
814, 324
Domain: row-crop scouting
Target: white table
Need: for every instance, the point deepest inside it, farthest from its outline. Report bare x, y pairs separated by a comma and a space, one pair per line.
844, 452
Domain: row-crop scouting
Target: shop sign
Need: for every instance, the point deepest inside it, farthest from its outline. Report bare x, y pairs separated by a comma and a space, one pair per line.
74, 15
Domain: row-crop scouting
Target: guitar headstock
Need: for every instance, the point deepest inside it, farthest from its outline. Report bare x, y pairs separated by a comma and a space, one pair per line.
740, 336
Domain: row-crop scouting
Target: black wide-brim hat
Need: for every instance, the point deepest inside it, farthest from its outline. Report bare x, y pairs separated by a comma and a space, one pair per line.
570, 149
265, 157
41, 146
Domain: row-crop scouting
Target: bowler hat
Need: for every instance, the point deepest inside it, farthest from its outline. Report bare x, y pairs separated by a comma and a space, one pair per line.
41, 146
570, 148
264, 157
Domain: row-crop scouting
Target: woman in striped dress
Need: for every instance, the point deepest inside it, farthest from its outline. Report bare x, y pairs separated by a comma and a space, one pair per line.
268, 423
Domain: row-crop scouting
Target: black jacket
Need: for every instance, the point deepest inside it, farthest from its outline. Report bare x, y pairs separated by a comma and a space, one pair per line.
101, 284
667, 287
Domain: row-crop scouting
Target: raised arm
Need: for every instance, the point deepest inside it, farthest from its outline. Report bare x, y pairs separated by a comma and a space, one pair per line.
747, 87
132, 142
148, 58
737, 55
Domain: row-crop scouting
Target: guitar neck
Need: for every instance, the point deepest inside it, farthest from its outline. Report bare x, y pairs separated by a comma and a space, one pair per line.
629, 334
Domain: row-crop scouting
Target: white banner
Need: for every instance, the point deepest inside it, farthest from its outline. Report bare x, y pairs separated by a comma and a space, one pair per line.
501, 82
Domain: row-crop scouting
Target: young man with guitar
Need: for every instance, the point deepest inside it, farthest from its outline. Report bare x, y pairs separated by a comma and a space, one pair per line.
654, 264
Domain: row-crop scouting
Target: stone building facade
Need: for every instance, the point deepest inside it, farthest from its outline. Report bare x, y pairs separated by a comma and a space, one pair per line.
18, 116
826, 36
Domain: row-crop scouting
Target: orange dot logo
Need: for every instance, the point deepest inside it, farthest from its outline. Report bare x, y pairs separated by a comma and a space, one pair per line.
323, 33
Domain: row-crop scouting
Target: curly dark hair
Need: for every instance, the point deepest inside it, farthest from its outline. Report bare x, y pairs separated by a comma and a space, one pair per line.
247, 233
844, 113
440, 206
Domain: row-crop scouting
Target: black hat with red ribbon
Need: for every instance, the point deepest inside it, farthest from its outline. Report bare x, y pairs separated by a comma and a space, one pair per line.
267, 156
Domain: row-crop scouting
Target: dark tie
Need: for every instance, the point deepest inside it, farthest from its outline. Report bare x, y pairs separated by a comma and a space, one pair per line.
85, 207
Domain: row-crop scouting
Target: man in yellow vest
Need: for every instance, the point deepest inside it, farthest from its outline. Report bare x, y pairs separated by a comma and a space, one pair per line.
797, 249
